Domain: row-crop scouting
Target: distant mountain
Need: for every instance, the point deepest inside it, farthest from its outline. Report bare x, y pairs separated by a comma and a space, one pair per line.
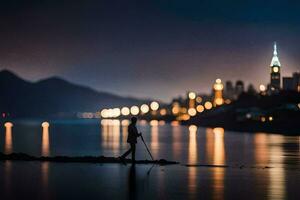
53, 97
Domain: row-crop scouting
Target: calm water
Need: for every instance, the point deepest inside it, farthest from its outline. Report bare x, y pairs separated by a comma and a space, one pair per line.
246, 155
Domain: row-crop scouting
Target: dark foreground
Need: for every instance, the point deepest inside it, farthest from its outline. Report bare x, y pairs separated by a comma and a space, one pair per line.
79, 159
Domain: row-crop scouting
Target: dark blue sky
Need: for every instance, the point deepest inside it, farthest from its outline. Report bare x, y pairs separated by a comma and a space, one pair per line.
152, 48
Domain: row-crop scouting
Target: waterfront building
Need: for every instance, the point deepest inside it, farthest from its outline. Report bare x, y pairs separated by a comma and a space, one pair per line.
218, 93
275, 71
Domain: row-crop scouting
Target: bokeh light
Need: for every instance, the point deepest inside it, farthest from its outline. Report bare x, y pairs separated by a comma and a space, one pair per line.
134, 110
154, 105
208, 105
144, 108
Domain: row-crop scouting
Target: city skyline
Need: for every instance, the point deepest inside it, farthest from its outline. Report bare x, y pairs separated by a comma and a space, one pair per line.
167, 50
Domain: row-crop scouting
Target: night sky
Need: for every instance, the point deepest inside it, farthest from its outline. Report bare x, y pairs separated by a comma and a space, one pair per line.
157, 49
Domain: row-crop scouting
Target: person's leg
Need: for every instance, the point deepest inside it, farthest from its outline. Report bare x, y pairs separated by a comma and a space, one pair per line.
127, 152
133, 152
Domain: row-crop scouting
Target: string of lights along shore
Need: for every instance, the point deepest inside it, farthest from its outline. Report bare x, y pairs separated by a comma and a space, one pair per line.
183, 108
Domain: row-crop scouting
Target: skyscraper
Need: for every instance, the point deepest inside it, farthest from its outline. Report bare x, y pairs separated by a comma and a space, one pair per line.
275, 71
239, 88
229, 90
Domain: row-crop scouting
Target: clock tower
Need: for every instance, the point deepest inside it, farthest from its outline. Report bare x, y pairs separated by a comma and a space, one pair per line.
275, 71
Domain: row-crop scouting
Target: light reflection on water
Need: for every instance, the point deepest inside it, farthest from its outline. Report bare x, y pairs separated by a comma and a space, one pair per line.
45, 142
216, 155
192, 159
200, 146
154, 145
8, 146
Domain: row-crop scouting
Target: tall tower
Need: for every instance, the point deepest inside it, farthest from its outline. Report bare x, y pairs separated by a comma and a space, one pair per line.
218, 93
275, 71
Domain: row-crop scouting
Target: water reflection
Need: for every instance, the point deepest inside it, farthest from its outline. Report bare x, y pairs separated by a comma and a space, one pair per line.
45, 141
7, 178
277, 174
111, 135
192, 159
261, 149
8, 145
45, 179
124, 124
269, 151
219, 159
176, 142
216, 154
154, 145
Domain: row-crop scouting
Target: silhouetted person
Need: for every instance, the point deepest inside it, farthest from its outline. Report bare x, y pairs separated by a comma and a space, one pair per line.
132, 140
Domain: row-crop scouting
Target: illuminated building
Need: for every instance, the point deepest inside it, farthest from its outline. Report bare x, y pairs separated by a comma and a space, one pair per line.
275, 71
218, 93
175, 108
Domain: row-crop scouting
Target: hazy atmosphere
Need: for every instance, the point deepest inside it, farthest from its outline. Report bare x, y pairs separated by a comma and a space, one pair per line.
168, 47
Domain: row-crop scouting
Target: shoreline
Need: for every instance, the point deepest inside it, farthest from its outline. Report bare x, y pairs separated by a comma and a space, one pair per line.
79, 159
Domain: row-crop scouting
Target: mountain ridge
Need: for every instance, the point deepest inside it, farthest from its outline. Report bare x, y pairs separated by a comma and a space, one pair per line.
53, 97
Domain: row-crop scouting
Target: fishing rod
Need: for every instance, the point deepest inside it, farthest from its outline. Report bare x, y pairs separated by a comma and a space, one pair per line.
146, 147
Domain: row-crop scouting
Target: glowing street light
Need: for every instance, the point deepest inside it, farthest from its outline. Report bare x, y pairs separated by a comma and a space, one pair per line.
192, 95
134, 110
154, 105
144, 108
8, 125
125, 111
45, 124
192, 111
200, 108
262, 88
208, 105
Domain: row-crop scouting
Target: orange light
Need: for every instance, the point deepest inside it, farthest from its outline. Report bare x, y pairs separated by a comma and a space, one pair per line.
192, 111
174, 123
163, 112
227, 101
8, 125
192, 95
45, 124
198, 99
262, 88
192, 129
208, 105
219, 101
154, 123
200, 108
218, 131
